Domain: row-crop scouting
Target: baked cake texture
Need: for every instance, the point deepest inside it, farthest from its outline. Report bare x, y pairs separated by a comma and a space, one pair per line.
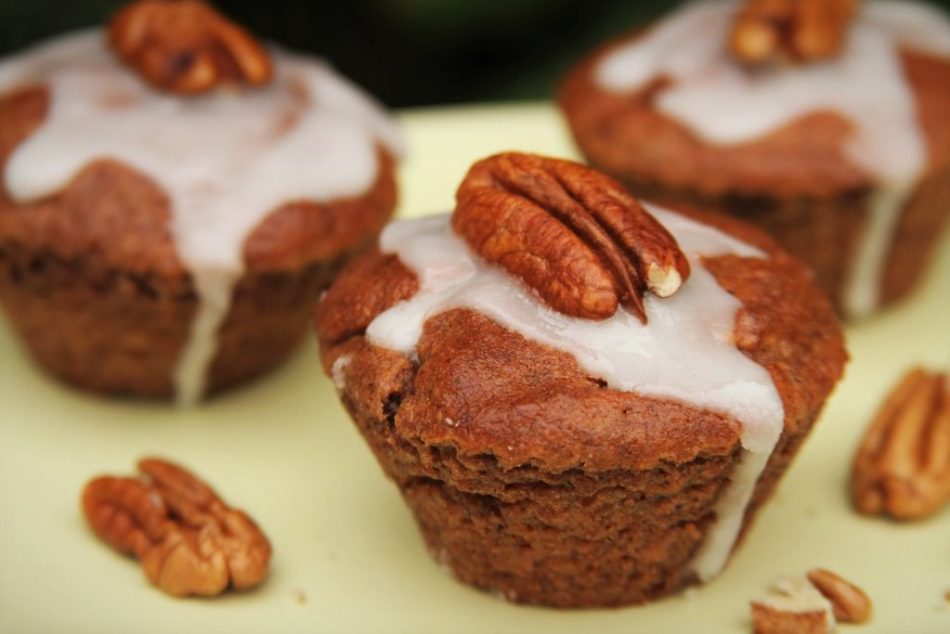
155, 244
533, 477
849, 176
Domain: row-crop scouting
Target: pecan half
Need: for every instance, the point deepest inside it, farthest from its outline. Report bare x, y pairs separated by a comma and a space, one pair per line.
849, 602
902, 468
797, 30
126, 513
187, 47
569, 232
188, 539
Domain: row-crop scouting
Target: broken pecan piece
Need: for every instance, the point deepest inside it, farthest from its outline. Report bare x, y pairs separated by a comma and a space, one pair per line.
809, 605
902, 468
792, 606
849, 602
569, 232
187, 47
797, 30
188, 539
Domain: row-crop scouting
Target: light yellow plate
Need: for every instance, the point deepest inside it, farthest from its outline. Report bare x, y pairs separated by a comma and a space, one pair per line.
347, 556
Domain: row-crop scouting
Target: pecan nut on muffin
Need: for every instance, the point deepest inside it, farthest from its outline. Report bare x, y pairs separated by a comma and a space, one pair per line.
174, 197
842, 155
583, 400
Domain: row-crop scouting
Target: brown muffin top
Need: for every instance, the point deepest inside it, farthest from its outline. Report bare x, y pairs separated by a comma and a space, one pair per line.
120, 216
626, 134
486, 392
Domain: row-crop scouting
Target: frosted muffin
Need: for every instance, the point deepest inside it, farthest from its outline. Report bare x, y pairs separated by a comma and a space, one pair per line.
174, 197
583, 401
845, 160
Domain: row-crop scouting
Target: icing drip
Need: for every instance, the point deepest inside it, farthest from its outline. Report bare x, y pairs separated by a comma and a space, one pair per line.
863, 288
725, 103
685, 352
225, 160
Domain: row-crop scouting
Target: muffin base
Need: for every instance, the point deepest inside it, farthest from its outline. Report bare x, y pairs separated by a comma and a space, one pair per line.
120, 333
568, 539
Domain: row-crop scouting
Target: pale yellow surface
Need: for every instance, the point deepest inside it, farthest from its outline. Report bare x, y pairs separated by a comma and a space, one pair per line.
284, 449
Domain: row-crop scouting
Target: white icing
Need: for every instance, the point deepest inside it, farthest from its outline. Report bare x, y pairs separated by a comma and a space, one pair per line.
726, 103
225, 160
915, 25
685, 352
862, 288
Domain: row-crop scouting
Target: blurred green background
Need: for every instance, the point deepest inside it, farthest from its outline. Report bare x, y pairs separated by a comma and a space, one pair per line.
406, 52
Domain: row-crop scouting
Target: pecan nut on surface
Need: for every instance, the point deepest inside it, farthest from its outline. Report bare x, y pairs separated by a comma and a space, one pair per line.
849, 602
812, 604
189, 541
902, 467
792, 606
795, 30
186, 47
569, 232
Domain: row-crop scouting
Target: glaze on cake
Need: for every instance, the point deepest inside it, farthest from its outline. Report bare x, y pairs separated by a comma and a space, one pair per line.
574, 462
225, 160
760, 127
687, 340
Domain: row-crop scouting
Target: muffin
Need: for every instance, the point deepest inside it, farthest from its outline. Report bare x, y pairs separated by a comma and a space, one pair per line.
845, 159
584, 401
175, 195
